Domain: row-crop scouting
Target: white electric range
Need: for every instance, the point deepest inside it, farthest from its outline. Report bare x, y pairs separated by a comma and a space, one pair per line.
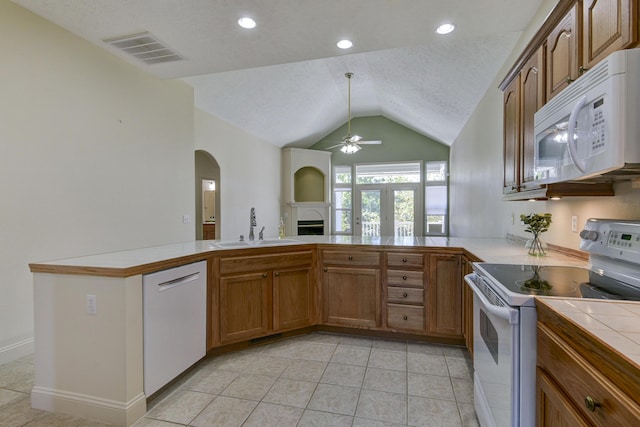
505, 315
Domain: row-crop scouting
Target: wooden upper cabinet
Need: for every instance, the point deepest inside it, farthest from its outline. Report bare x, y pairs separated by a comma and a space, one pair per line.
511, 135
532, 97
563, 53
607, 26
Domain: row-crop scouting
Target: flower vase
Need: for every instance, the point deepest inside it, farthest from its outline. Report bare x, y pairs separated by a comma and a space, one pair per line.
536, 247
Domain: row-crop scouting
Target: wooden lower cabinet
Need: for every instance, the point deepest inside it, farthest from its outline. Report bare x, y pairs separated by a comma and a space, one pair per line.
352, 296
467, 305
262, 294
554, 409
292, 298
244, 306
579, 382
444, 299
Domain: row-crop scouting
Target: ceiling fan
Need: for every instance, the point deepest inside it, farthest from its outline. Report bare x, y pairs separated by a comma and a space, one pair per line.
351, 143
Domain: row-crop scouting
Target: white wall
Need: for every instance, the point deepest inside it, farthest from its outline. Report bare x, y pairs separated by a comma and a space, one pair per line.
95, 156
477, 209
249, 176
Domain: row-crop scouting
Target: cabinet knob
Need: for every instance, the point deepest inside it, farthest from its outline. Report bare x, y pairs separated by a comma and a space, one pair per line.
591, 404
405, 317
325, 269
582, 69
277, 274
404, 260
404, 277
265, 275
350, 257
569, 80
405, 295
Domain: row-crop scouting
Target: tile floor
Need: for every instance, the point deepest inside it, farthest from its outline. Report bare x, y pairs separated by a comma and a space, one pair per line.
318, 379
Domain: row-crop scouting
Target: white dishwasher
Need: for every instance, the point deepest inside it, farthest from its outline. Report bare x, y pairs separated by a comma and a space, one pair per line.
175, 322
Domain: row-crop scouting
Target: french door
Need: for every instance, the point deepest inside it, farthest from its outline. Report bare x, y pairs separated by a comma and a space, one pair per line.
387, 210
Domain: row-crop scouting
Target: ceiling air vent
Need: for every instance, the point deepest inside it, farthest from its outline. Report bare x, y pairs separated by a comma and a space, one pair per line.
145, 47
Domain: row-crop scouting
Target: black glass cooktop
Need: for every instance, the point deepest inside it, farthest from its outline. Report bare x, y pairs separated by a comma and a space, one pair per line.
559, 281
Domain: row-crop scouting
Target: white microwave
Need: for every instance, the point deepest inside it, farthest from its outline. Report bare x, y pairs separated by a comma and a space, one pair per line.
591, 129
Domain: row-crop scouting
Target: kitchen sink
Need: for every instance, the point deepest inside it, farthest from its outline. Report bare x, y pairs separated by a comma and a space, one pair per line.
237, 244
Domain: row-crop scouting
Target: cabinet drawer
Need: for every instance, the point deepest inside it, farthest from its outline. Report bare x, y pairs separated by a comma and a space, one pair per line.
351, 258
402, 259
405, 317
243, 264
405, 278
405, 295
582, 382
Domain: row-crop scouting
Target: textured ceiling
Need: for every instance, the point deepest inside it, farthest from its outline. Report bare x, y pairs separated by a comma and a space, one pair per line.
284, 81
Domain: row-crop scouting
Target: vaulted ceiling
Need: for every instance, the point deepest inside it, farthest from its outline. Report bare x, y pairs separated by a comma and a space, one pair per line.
284, 80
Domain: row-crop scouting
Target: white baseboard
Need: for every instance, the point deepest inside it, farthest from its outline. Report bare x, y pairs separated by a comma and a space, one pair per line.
89, 407
15, 351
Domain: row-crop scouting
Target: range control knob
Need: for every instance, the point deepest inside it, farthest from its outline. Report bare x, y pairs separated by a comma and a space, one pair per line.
589, 235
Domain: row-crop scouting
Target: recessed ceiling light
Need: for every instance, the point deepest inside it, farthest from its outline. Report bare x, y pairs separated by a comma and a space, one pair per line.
445, 28
344, 44
247, 23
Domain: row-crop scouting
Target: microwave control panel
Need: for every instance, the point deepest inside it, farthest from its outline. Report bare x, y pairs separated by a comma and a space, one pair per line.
598, 129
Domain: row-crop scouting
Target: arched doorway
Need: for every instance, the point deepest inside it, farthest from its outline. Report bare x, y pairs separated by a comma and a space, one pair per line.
207, 188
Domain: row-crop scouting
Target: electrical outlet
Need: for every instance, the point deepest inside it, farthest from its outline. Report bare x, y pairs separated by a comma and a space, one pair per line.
92, 307
574, 224
186, 219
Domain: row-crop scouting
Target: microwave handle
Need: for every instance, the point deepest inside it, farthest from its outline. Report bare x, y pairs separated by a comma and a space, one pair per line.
572, 144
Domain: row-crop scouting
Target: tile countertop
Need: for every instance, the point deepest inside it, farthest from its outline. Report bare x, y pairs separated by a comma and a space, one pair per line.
614, 323
490, 250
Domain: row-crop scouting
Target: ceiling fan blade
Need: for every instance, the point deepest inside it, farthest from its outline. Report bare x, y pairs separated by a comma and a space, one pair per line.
334, 146
369, 142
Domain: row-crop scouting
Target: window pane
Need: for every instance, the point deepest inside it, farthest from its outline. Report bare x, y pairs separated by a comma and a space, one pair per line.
435, 200
388, 173
403, 206
435, 224
370, 205
342, 174
342, 210
436, 171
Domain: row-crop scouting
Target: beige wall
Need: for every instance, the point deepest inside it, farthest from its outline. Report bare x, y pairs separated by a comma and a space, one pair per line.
95, 156
249, 177
477, 209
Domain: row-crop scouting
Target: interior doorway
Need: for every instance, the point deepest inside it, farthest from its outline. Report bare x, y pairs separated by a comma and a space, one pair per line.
208, 221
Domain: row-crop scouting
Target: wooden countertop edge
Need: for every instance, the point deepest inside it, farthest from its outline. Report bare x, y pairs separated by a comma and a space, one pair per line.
118, 272
611, 362
174, 262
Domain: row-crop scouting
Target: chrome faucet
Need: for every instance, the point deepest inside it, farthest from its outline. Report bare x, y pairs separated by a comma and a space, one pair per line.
252, 223
261, 234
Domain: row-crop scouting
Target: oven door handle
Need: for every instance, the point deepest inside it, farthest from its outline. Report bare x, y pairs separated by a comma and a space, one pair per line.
505, 313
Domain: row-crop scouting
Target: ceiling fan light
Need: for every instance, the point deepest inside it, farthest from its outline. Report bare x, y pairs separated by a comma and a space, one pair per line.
350, 148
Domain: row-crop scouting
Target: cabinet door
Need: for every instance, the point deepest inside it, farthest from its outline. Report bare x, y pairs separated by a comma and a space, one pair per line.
511, 135
553, 407
352, 296
292, 298
467, 306
607, 26
532, 95
562, 54
445, 295
244, 306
